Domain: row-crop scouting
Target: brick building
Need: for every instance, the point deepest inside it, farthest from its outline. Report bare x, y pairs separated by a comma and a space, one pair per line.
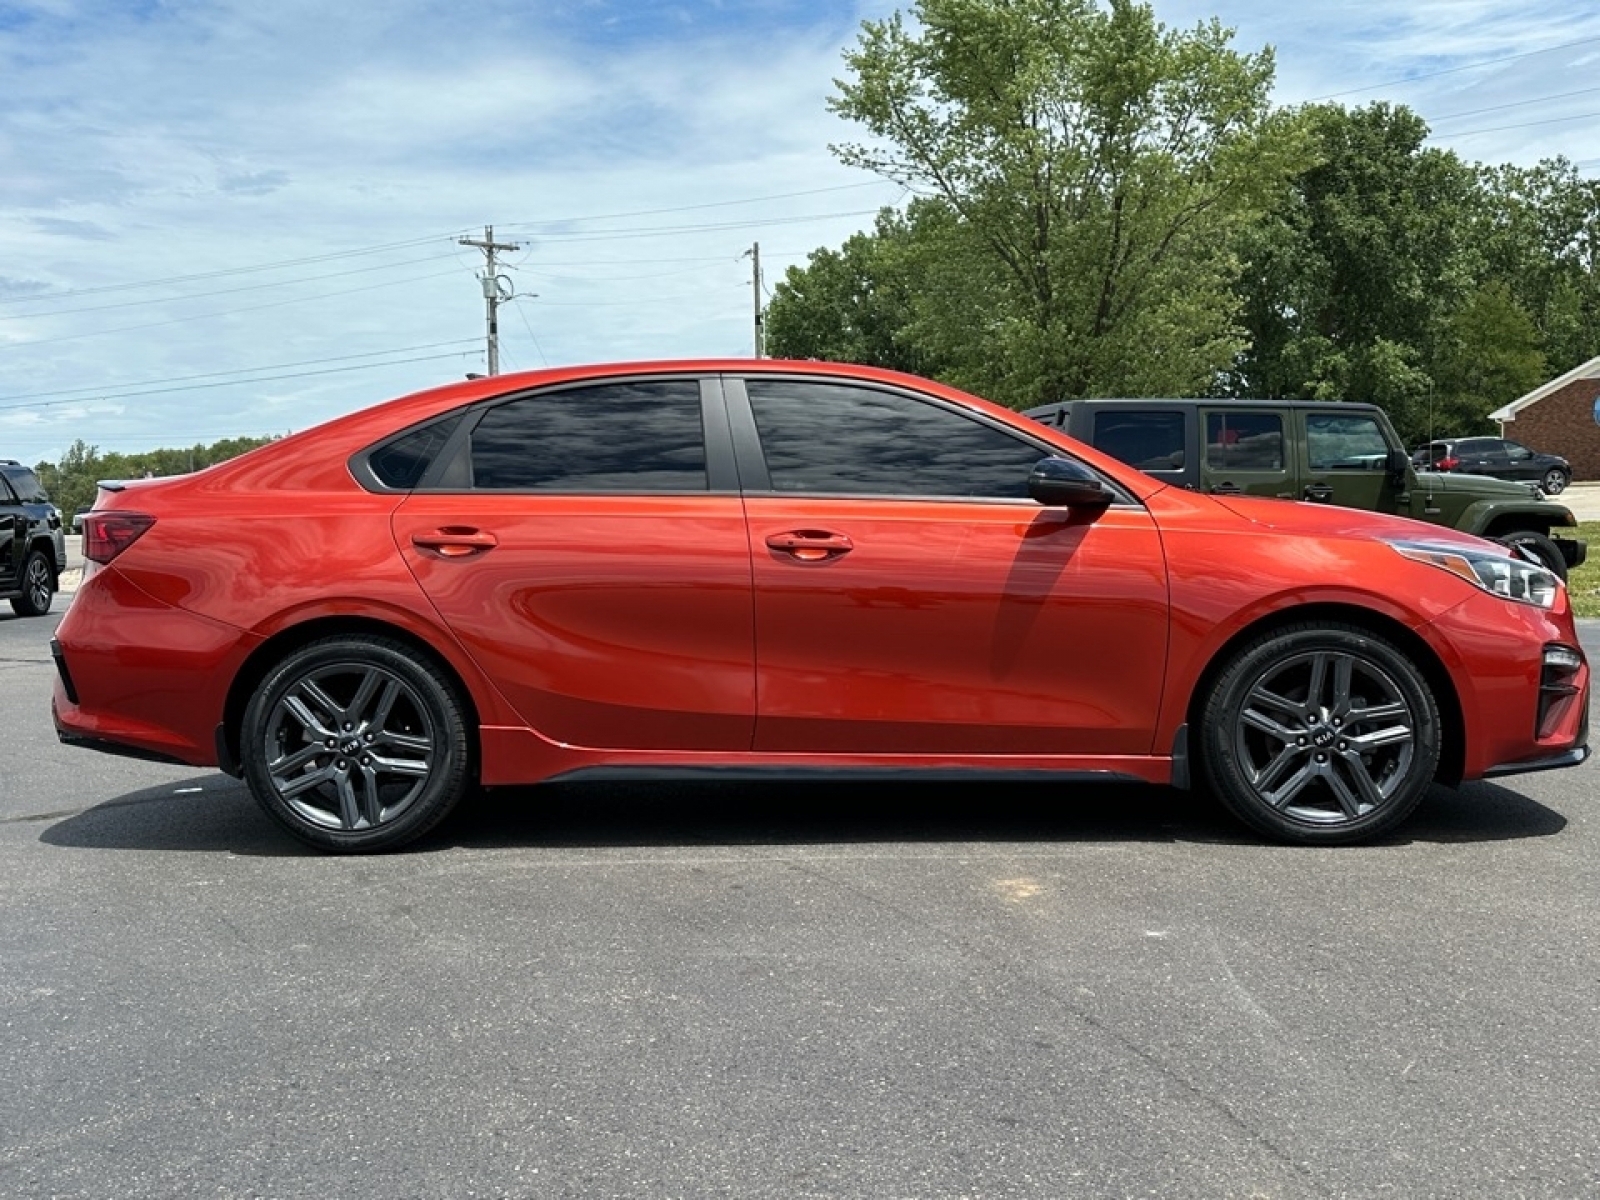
1561, 417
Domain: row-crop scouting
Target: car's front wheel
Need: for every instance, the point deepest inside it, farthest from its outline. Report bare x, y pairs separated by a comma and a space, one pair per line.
1320, 733
1554, 482
38, 586
356, 743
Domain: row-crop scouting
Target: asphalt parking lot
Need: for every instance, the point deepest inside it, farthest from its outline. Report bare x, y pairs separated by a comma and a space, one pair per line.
742, 991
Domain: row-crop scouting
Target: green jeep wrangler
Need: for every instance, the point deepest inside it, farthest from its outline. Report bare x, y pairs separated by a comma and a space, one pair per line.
1342, 453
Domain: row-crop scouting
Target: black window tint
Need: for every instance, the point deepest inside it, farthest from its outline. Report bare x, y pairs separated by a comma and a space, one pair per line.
1340, 442
1151, 441
27, 486
1244, 441
835, 438
615, 437
403, 462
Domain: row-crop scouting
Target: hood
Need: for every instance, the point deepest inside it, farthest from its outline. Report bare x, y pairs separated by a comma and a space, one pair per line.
1333, 520
1477, 485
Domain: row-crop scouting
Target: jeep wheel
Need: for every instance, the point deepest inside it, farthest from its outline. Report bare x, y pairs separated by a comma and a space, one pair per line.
1544, 551
38, 585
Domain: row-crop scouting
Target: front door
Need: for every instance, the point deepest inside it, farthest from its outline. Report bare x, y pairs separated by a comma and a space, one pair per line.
911, 599
1346, 457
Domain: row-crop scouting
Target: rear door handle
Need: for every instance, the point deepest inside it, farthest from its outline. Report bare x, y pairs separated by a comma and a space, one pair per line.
810, 545
455, 541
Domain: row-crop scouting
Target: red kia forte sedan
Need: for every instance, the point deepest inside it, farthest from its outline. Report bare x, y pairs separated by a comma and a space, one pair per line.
788, 567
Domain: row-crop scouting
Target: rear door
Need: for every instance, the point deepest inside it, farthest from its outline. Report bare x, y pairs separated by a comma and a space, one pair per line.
1244, 451
587, 545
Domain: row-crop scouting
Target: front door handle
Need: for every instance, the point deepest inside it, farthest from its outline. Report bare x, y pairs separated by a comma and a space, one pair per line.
455, 541
1225, 489
1320, 493
810, 545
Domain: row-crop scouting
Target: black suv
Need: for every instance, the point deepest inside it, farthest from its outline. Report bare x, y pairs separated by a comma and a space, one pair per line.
1498, 457
33, 546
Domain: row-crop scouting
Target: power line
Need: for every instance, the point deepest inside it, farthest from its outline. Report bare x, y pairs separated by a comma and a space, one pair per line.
69, 337
251, 287
95, 392
1524, 125
1491, 62
281, 264
234, 382
273, 266
1473, 112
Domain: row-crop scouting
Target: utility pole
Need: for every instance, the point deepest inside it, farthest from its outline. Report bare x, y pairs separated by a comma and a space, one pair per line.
754, 254
493, 295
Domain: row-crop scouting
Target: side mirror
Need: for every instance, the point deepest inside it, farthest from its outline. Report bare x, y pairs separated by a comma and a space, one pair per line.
1065, 483
1396, 464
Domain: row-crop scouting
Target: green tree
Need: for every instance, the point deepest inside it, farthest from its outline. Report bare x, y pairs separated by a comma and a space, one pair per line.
1352, 282
73, 482
1489, 354
1538, 230
850, 305
1084, 170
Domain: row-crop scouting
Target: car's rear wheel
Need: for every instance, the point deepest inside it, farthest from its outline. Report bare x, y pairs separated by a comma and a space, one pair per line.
1321, 733
1545, 552
355, 743
1554, 482
38, 586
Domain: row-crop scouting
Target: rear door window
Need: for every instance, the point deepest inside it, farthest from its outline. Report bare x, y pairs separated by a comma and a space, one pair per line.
642, 436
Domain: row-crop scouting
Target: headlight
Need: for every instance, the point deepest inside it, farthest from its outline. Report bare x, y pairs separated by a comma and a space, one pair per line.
1495, 572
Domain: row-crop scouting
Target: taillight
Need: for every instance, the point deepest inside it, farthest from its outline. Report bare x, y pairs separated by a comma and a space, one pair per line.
1448, 463
108, 534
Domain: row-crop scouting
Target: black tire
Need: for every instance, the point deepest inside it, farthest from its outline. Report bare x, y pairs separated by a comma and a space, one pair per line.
1554, 482
1543, 549
38, 586
356, 744
1320, 734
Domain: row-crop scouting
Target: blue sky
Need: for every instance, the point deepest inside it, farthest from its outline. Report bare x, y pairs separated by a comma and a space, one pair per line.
224, 218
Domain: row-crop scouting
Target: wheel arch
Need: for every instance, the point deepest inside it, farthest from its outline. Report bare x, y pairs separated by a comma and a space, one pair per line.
280, 645
1452, 732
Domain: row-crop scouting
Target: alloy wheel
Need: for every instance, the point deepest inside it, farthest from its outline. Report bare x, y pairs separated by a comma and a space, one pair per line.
350, 746
1325, 737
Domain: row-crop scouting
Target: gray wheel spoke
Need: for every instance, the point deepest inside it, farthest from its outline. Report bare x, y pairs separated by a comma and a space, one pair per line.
1366, 791
308, 719
350, 811
370, 682
418, 767
1395, 735
404, 742
385, 706
1343, 669
290, 764
1267, 778
1292, 787
1378, 712
1319, 680
291, 788
1261, 721
1264, 697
